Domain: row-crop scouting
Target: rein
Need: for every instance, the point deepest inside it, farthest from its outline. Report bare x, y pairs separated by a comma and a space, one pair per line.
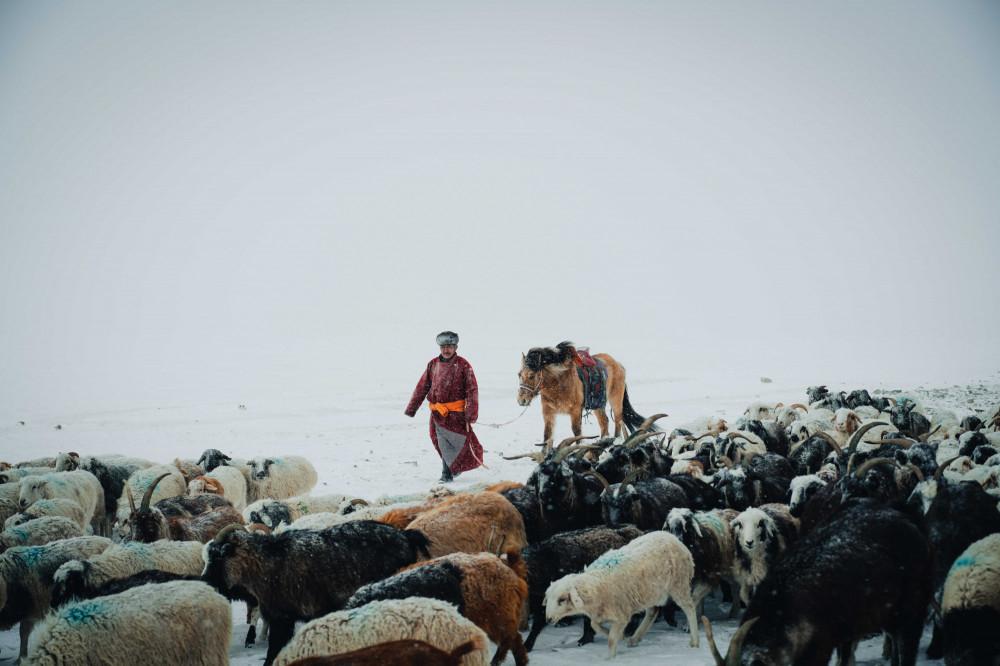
534, 392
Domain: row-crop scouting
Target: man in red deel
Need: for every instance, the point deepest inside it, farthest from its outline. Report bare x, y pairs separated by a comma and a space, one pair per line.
450, 385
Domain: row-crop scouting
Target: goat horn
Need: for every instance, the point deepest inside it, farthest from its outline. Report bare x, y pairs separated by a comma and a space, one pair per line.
534, 455
225, 531
916, 471
357, 501
874, 462
739, 434
701, 436
940, 470
719, 661
898, 441
131, 498
651, 420
562, 454
892, 400
149, 491
859, 433
822, 434
571, 440
726, 461
927, 435
599, 477
798, 405
636, 441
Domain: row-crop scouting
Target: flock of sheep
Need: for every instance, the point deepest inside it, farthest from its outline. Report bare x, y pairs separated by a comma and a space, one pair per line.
823, 523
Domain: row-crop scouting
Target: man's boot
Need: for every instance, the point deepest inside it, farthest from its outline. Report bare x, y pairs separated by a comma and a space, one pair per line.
445, 473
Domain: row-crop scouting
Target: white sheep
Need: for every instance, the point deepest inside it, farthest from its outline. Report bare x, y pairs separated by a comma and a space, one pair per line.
49, 507
312, 521
67, 462
273, 512
641, 575
26, 578
182, 622
78, 486
9, 504
971, 601
279, 477
38, 532
16, 474
123, 560
173, 485
430, 620
223, 480
761, 535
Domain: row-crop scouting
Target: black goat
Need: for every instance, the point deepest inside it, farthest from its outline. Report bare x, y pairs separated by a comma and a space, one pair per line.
438, 579
562, 554
644, 504
909, 421
868, 570
567, 499
303, 574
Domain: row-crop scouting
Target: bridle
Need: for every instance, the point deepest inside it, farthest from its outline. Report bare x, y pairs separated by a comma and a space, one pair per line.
535, 390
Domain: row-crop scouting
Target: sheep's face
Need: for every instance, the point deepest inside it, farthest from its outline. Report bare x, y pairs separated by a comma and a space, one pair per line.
735, 487
260, 469
753, 530
213, 458
801, 491
618, 504
271, 514
67, 462
983, 453
681, 523
563, 599
32, 489
969, 441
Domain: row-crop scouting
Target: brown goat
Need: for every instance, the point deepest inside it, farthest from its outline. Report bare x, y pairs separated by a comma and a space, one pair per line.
397, 653
494, 594
502, 486
473, 523
400, 518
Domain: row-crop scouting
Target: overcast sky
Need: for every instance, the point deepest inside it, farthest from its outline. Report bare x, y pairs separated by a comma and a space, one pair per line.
211, 199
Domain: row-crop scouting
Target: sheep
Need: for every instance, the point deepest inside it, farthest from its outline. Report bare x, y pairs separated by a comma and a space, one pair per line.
49, 507
190, 524
644, 504
44, 461
79, 486
67, 462
18, 473
9, 504
970, 605
226, 481
26, 579
561, 554
472, 524
110, 470
820, 597
490, 594
168, 480
643, 574
274, 512
761, 535
8, 508
77, 578
312, 521
188, 469
213, 458
38, 532
707, 534
289, 574
182, 622
279, 478
430, 620
398, 653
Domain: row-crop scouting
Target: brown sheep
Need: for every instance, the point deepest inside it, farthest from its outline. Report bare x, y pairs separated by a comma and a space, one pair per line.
494, 594
398, 653
473, 524
503, 485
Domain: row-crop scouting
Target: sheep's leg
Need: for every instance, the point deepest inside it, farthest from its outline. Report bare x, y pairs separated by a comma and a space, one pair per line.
684, 600
281, 633
520, 653
845, 653
615, 634
588, 633
537, 624
599, 628
25, 631
500, 654
647, 622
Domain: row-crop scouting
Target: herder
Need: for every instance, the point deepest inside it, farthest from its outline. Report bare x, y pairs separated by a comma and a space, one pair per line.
450, 385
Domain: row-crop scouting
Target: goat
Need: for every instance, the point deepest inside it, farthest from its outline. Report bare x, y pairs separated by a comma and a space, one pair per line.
761, 535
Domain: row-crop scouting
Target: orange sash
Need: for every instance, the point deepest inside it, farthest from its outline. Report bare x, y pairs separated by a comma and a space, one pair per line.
443, 408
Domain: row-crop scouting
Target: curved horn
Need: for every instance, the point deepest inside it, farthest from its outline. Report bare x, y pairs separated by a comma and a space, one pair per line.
149, 491
651, 420
726, 461
225, 531
534, 455
739, 434
852, 444
943, 466
735, 643
598, 476
700, 437
927, 435
916, 471
631, 477
571, 440
719, 661
357, 501
131, 498
798, 405
562, 454
874, 462
898, 441
636, 441
822, 434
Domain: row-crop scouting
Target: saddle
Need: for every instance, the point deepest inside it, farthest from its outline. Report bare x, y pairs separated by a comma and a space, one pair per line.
594, 376
584, 359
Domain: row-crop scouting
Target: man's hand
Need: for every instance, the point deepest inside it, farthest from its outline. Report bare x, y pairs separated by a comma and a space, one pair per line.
409, 414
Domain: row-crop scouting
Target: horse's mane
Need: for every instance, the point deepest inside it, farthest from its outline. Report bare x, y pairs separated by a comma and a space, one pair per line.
539, 357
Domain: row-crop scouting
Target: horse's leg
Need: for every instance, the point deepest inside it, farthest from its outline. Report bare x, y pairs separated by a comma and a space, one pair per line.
576, 422
602, 420
549, 417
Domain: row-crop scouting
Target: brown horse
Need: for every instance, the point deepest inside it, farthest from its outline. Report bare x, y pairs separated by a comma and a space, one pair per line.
551, 372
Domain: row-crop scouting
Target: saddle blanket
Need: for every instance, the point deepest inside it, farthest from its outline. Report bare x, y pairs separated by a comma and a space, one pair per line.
595, 384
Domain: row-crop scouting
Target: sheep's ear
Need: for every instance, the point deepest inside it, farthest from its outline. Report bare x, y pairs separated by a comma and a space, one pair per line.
697, 527
576, 598
268, 462
226, 458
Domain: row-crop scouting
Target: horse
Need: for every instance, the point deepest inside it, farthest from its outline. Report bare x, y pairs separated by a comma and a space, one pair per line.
551, 373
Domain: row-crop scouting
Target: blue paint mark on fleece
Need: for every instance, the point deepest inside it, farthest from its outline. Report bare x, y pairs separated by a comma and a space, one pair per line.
83, 612
963, 562
608, 560
30, 555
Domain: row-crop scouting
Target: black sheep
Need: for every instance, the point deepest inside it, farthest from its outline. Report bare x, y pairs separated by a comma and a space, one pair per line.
865, 571
644, 504
303, 574
562, 554
436, 580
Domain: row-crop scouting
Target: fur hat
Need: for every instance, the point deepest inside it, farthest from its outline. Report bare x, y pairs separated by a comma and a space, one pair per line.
447, 338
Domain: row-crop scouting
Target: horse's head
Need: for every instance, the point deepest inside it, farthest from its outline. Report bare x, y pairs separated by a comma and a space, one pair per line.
537, 362
531, 383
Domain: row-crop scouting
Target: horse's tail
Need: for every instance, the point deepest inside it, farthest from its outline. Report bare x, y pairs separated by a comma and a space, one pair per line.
631, 417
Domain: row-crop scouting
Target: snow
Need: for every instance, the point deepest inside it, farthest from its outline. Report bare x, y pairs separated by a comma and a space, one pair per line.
362, 444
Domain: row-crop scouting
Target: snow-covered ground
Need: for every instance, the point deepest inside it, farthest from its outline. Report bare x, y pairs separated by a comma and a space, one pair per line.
361, 443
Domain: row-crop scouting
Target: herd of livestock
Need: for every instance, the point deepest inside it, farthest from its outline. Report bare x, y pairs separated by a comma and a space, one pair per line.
823, 523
